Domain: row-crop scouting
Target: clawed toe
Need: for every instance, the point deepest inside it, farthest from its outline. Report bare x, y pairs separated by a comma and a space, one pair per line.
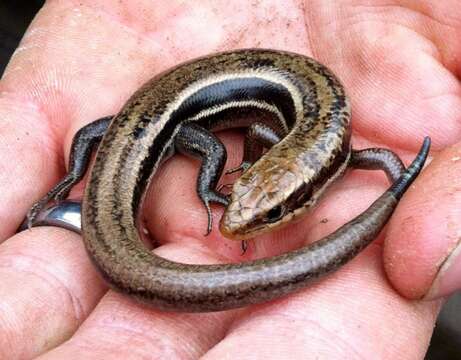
215, 197
244, 166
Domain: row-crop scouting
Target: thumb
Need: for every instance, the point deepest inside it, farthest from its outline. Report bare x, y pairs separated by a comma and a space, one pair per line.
422, 254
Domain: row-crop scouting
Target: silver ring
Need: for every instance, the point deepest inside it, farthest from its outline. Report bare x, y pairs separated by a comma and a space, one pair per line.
65, 214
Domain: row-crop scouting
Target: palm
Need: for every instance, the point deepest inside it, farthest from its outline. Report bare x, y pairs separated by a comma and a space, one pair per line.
79, 63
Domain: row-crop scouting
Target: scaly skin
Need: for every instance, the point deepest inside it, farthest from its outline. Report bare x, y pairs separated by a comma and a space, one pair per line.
125, 162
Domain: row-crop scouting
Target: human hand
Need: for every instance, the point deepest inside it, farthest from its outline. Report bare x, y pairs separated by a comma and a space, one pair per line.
80, 61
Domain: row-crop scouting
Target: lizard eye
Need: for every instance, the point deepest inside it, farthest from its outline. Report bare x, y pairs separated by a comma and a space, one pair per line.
275, 214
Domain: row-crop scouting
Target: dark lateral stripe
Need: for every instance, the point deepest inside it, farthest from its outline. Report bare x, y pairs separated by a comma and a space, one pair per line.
216, 94
237, 89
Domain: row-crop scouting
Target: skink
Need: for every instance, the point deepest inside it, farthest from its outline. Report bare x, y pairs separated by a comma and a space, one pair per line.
297, 143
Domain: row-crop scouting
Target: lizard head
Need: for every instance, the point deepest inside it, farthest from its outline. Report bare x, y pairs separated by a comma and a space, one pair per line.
270, 194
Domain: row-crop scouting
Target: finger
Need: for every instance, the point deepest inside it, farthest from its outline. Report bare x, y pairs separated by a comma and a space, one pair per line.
29, 162
46, 283
45, 101
393, 61
422, 246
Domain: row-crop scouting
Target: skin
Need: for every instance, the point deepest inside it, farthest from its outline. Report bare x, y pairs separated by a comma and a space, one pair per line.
401, 65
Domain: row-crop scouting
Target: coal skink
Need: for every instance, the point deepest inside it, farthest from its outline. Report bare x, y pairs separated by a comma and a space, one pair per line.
297, 142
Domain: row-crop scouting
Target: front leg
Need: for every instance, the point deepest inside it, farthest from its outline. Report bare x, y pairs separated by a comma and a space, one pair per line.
80, 153
195, 141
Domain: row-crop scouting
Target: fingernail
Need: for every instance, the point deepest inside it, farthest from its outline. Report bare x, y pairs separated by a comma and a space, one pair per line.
448, 279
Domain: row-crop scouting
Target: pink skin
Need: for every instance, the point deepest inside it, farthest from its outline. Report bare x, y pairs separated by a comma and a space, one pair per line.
80, 60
